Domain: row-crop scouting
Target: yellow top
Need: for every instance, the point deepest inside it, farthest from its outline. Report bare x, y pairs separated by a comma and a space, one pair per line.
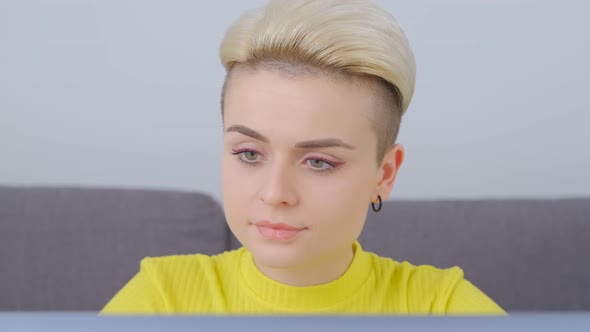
231, 283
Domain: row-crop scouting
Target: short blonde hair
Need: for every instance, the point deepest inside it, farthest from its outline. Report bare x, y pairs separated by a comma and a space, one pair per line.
348, 38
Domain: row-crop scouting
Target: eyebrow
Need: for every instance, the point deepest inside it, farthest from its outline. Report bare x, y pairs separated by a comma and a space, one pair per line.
311, 144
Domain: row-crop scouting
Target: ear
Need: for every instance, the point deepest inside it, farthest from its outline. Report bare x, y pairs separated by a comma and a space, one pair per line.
388, 170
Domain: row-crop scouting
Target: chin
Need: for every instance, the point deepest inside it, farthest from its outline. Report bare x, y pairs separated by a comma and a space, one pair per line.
276, 254
279, 257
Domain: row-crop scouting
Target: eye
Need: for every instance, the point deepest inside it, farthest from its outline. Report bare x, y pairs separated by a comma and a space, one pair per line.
250, 155
247, 157
316, 163
320, 165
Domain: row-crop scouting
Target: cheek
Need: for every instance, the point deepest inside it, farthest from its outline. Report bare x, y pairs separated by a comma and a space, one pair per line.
233, 188
341, 201
235, 184
240, 185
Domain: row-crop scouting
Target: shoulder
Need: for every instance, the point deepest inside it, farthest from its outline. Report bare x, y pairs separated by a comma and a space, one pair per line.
187, 274
417, 275
174, 266
176, 283
191, 283
422, 288
433, 290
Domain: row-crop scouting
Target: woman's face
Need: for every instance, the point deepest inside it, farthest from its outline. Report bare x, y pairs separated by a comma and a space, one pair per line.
299, 165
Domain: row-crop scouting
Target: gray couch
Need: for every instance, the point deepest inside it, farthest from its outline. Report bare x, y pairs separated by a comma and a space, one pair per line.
73, 248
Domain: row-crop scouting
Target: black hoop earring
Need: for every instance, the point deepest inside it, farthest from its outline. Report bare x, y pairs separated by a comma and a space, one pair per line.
377, 209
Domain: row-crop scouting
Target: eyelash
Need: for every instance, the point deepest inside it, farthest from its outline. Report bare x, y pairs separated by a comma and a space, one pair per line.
327, 171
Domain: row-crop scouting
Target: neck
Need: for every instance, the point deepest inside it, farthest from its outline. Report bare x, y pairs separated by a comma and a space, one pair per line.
321, 270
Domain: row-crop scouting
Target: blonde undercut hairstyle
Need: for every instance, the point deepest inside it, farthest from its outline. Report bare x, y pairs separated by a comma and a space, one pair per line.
353, 40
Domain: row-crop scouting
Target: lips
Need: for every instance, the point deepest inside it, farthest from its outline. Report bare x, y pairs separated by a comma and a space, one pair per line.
277, 231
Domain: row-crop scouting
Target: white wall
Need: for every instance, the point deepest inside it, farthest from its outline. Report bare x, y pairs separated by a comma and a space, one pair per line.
126, 94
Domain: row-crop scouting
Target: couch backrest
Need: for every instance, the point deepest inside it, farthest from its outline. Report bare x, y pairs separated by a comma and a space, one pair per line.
526, 254
72, 249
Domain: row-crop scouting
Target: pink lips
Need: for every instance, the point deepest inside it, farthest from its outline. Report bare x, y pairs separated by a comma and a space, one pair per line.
277, 231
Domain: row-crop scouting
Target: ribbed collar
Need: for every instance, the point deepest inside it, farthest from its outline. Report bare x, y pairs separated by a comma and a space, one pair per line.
309, 298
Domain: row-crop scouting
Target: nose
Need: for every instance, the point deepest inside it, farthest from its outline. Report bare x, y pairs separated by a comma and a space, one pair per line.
278, 186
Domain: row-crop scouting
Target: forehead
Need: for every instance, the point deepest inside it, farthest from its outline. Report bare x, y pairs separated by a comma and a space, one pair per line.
299, 107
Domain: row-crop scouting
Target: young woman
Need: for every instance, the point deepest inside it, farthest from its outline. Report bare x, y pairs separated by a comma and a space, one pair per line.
311, 107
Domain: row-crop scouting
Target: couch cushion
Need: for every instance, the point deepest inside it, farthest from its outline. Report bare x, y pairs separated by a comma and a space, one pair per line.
525, 254
72, 249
